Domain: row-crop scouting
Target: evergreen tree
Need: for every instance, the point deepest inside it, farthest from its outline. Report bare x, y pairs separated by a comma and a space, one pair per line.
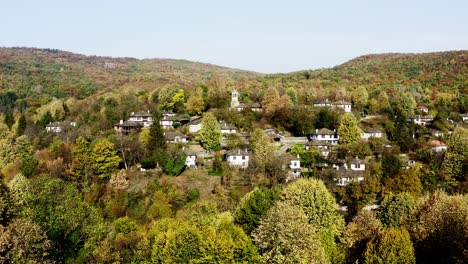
157, 141
21, 125
253, 206
210, 133
9, 119
348, 130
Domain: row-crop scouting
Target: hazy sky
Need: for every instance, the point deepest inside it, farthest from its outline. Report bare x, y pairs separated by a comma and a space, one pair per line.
265, 36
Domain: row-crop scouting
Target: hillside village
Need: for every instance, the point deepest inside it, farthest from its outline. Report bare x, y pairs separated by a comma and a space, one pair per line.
110, 160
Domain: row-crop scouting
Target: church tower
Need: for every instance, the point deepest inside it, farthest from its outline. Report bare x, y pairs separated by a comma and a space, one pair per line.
234, 99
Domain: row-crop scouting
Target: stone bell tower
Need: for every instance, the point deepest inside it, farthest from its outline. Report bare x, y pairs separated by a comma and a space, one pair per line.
234, 99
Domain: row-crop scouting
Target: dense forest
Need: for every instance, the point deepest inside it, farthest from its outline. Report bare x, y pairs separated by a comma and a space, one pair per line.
121, 160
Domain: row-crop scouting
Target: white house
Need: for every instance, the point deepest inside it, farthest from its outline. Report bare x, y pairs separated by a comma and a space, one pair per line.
434, 132
226, 128
144, 117
421, 120
238, 157
322, 146
195, 125
326, 135
54, 127
293, 163
191, 159
465, 117
437, 146
167, 122
235, 104
355, 164
345, 178
57, 127
322, 103
346, 106
371, 133
175, 137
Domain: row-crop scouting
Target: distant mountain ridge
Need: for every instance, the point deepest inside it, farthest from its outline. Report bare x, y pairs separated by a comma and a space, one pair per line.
62, 74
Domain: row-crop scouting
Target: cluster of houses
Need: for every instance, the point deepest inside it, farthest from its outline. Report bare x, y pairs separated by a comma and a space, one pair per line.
322, 139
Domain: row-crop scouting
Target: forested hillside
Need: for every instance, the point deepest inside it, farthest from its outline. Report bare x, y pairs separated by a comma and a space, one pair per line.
120, 160
63, 74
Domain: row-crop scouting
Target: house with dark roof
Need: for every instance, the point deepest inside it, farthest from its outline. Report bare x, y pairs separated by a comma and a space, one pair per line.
346, 106
136, 121
142, 116
326, 135
127, 127
421, 120
195, 125
227, 128
175, 137
238, 157
350, 170
321, 145
371, 133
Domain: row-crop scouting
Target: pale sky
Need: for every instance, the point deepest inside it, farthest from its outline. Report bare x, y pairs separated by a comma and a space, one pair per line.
264, 36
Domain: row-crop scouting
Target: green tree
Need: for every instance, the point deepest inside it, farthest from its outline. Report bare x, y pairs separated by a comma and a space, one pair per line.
105, 158
80, 167
262, 146
178, 100
28, 165
6, 204
455, 164
21, 125
157, 141
395, 208
439, 228
391, 247
210, 133
348, 130
73, 226
195, 105
364, 227
23, 241
253, 206
9, 119
360, 97
285, 236
320, 208
201, 235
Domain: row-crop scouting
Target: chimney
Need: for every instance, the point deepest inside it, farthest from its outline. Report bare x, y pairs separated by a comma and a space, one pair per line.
121, 121
316, 131
133, 113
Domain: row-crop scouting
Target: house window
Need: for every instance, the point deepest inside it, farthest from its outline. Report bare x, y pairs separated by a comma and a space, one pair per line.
234, 157
243, 157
